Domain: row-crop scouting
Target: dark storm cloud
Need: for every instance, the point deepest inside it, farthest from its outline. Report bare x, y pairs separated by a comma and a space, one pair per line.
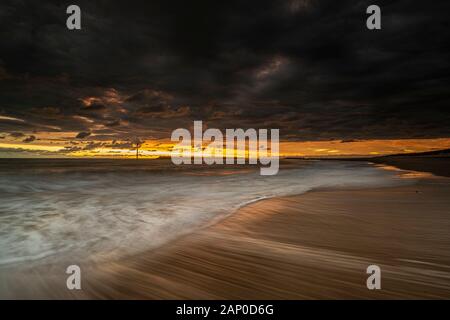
16, 134
29, 139
310, 68
82, 135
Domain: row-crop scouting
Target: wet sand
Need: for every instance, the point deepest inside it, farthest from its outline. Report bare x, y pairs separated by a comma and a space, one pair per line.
311, 246
433, 164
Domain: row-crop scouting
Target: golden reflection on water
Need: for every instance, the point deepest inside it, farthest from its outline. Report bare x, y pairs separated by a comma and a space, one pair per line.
405, 174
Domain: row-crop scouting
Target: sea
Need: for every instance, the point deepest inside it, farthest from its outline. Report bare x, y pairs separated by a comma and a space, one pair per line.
96, 209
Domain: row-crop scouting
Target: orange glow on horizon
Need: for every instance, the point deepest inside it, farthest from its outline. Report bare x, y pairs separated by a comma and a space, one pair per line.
62, 145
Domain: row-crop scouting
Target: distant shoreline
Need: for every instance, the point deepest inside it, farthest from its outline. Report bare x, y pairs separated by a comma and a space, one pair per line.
437, 165
435, 162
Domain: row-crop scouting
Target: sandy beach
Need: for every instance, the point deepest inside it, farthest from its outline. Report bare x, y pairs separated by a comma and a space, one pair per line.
311, 246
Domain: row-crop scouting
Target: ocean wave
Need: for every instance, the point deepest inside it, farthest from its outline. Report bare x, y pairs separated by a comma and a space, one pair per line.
86, 214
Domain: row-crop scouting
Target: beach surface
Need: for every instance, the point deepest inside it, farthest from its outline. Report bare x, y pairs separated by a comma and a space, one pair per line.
312, 246
316, 245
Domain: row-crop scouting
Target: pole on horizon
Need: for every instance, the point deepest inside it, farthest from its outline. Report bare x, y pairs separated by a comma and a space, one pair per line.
138, 143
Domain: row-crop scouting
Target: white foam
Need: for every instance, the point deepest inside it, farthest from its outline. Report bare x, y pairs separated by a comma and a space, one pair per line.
88, 215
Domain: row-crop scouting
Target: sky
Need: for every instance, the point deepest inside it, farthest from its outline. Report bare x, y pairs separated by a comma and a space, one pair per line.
140, 69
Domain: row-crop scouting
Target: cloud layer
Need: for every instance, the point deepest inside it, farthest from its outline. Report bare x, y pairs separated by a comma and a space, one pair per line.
144, 68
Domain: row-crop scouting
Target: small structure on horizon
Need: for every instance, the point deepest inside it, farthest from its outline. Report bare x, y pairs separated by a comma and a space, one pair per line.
137, 143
